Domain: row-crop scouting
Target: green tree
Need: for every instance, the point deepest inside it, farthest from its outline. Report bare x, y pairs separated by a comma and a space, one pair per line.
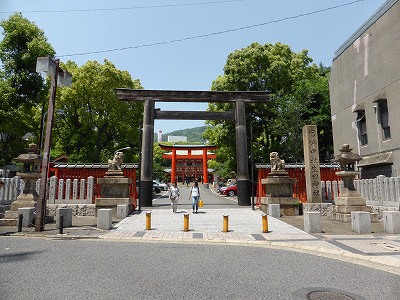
159, 163
299, 96
22, 90
94, 123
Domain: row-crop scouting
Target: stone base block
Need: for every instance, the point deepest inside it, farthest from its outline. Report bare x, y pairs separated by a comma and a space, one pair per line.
391, 222
324, 208
274, 210
9, 222
350, 201
67, 216
361, 222
23, 201
112, 203
77, 209
28, 216
114, 187
312, 222
286, 204
347, 209
104, 219
279, 200
123, 211
290, 210
11, 214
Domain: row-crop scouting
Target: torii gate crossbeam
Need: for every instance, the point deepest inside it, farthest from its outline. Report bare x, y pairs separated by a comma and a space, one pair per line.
149, 97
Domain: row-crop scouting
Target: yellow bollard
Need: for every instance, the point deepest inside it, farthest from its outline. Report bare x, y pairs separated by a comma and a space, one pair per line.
186, 222
226, 223
265, 223
148, 221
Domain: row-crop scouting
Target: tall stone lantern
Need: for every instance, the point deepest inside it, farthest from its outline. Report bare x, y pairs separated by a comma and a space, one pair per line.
349, 199
30, 174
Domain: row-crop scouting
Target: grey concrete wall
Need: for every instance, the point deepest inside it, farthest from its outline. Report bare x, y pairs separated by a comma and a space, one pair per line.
369, 69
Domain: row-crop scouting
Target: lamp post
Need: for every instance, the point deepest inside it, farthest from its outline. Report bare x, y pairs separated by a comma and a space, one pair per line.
63, 78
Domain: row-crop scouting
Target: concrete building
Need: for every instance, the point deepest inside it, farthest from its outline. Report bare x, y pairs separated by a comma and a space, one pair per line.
177, 138
365, 93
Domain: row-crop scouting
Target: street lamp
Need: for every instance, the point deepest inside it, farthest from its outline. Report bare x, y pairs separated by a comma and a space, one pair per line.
50, 66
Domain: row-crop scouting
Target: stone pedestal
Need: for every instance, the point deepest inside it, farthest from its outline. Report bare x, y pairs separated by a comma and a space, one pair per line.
279, 188
114, 191
27, 199
350, 200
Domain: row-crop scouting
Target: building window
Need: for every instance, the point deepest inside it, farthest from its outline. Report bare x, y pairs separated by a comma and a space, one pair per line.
384, 119
362, 127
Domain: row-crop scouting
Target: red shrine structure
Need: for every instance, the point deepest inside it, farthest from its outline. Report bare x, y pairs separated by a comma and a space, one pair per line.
189, 162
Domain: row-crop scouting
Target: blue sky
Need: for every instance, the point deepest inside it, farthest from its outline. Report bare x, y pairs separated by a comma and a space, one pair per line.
75, 27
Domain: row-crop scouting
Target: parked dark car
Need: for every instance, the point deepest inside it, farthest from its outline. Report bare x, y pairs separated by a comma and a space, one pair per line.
229, 191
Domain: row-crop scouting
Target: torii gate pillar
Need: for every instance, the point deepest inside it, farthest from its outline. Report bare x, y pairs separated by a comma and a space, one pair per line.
242, 175
146, 166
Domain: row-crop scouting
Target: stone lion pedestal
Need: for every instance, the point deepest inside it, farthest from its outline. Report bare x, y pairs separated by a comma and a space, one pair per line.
114, 187
279, 188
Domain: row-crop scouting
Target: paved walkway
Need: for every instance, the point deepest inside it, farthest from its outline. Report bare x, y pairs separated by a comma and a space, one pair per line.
245, 228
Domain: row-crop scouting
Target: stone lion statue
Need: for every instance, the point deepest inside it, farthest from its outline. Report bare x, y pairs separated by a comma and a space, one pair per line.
116, 162
276, 162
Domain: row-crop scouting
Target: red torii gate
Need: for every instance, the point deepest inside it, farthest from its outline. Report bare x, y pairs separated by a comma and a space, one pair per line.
204, 157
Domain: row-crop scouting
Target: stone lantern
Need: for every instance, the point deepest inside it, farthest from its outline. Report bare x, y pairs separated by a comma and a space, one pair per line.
29, 176
349, 199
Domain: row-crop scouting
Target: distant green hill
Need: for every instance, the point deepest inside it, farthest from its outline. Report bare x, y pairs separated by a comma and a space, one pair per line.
194, 135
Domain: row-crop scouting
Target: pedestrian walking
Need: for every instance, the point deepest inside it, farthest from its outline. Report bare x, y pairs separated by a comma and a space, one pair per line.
195, 195
174, 195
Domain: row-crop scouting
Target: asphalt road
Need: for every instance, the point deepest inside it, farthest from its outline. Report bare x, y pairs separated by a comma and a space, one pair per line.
38, 268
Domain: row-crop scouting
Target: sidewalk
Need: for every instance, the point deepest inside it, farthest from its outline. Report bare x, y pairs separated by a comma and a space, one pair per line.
245, 228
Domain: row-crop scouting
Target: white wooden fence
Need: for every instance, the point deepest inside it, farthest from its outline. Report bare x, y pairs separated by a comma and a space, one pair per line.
380, 191
10, 190
60, 191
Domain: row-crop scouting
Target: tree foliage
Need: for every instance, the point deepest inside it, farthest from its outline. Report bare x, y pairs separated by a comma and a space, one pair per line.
299, 96
94, 123
22, 90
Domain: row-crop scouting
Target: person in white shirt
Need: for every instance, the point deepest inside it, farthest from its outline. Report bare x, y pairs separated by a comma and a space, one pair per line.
195, 195
174, 195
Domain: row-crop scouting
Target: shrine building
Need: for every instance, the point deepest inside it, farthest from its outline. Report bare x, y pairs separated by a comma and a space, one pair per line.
189, 162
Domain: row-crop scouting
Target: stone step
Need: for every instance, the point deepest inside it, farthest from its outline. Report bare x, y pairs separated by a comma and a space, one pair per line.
11, 214
8, 222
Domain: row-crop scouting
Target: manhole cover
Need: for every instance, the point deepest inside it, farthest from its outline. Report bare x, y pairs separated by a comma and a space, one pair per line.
328, 295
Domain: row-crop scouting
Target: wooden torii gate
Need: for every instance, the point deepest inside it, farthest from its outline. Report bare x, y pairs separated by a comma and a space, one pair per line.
204, 157
149, 97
